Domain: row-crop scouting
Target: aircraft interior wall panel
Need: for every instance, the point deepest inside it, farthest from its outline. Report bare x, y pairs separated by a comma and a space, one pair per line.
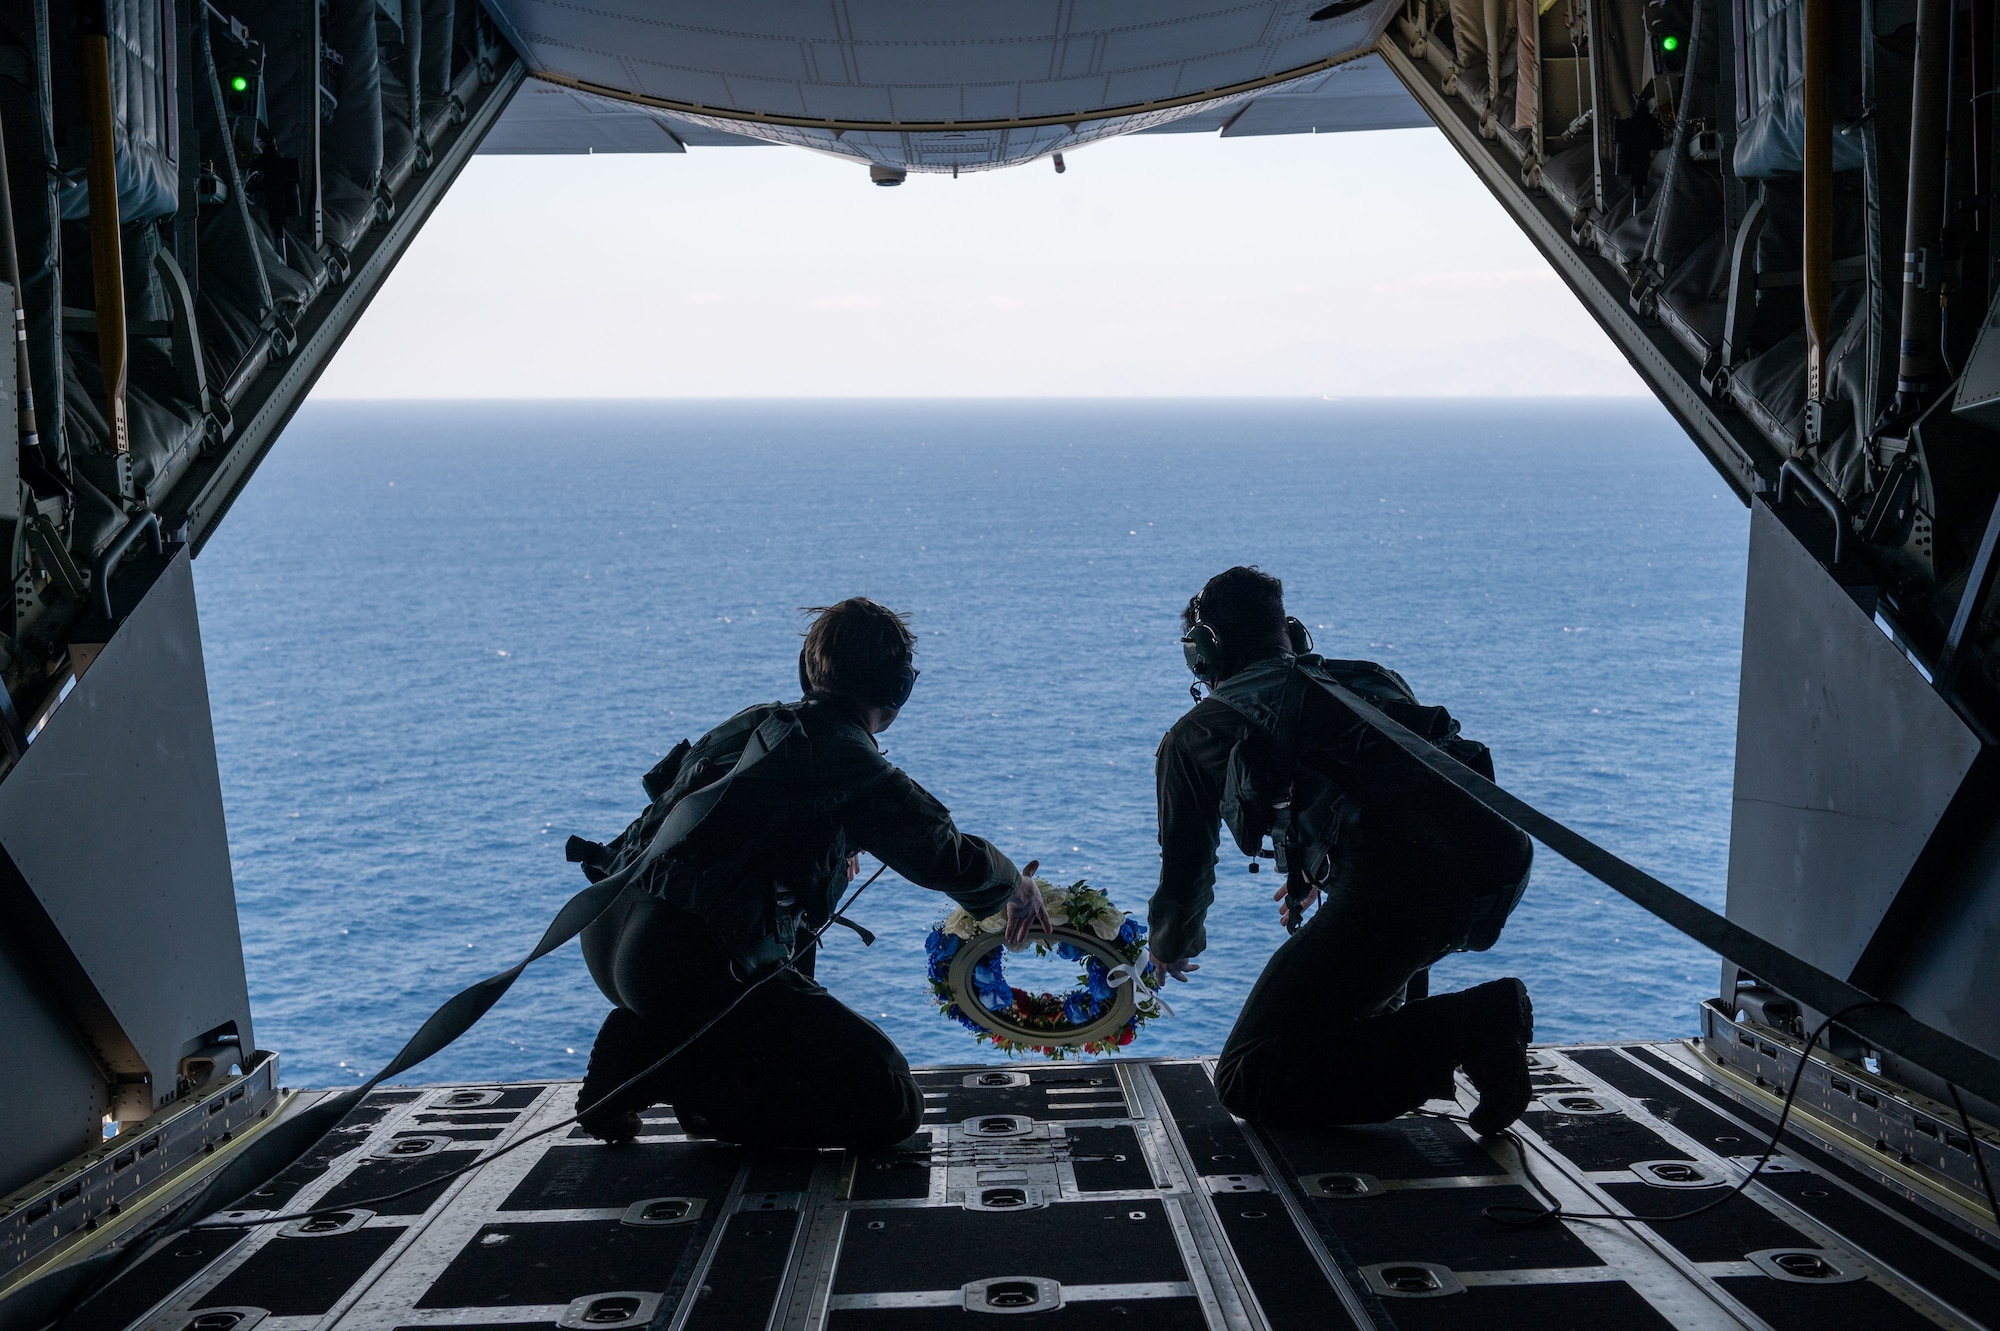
1846, 759
53, 1095
114, 819
1947, 981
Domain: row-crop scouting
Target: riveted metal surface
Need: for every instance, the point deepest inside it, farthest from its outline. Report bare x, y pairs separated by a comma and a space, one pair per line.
1175, 1211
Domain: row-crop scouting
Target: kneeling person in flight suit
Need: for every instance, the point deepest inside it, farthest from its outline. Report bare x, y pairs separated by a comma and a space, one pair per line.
1411, 869
743, 892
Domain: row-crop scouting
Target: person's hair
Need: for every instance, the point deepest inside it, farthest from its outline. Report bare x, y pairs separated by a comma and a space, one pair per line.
853, 647
1246, 608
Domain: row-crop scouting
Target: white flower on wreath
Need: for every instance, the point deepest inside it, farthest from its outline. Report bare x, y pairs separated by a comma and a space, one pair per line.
1090, 901
1079, 908
1055, 901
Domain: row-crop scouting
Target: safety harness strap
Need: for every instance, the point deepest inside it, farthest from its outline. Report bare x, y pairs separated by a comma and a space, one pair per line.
1881, 1024
1284, 825
463, 1009
55, 1295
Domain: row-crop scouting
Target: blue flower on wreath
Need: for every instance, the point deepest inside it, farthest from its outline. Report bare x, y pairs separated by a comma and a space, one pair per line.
1042, 1015
940, 948
991, 984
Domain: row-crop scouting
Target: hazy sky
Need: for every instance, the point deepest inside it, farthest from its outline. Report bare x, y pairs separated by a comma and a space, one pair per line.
1337, 264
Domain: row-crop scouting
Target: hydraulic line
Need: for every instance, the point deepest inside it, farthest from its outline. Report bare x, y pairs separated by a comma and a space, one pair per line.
1979, 32
1818, 181
10, 272
1917, 367
106, 254
1490, 14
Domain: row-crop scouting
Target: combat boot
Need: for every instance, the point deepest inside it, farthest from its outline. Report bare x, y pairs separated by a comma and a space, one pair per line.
693, 1122
1499, 1024
625, 1046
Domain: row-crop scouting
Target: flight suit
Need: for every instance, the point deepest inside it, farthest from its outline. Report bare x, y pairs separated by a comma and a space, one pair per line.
792, 1066
1411, 870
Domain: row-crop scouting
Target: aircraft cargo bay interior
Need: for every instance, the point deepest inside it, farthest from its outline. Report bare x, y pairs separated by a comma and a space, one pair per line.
1780, 212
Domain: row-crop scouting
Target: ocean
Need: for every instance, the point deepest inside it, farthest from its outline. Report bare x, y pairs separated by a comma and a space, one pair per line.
442, 637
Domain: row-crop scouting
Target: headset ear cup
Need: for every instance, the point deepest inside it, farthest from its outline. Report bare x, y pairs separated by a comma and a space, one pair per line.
1203, 652
898, 687
1301, 637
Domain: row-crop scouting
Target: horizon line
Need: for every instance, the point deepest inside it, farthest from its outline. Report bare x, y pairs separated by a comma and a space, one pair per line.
999, 397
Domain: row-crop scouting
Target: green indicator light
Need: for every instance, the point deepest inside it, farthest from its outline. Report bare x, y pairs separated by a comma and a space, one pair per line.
241, 84
1666, 43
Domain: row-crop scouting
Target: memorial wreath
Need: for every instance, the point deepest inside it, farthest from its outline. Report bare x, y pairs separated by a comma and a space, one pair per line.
1103, 1013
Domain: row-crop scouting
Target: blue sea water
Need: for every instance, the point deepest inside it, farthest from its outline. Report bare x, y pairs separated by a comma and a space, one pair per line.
442, 637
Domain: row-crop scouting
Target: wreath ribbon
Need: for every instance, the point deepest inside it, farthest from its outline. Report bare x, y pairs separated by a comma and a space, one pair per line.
965, 961
1134, 974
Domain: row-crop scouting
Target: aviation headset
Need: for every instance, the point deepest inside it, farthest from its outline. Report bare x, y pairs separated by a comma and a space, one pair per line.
1201, 646
890, 688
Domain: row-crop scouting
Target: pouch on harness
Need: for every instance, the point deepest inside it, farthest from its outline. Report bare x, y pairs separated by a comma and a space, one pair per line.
1269, 792
708, 875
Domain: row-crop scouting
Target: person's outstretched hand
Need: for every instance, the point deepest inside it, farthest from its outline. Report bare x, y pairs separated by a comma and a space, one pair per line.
1180, 970
1025, 912
1306, 903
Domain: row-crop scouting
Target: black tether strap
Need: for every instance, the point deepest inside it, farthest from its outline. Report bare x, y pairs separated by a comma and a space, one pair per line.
1881, 1025
55, 1295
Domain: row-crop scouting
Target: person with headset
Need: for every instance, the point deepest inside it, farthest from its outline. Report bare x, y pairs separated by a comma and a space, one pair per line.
1405, 867
744, 892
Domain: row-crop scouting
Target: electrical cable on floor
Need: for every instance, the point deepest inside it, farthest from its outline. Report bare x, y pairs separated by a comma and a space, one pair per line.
369, 1203
1522, 1217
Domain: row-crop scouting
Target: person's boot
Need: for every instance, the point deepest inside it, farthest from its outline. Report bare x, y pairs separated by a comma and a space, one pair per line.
1501, 1024
693, 1122
611, 1127
624, 1046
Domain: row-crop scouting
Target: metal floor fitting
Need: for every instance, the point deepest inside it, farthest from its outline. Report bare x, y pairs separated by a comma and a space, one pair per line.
1101, 1193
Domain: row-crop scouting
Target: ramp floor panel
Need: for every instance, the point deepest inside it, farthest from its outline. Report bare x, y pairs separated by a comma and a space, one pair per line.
1107, 1194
